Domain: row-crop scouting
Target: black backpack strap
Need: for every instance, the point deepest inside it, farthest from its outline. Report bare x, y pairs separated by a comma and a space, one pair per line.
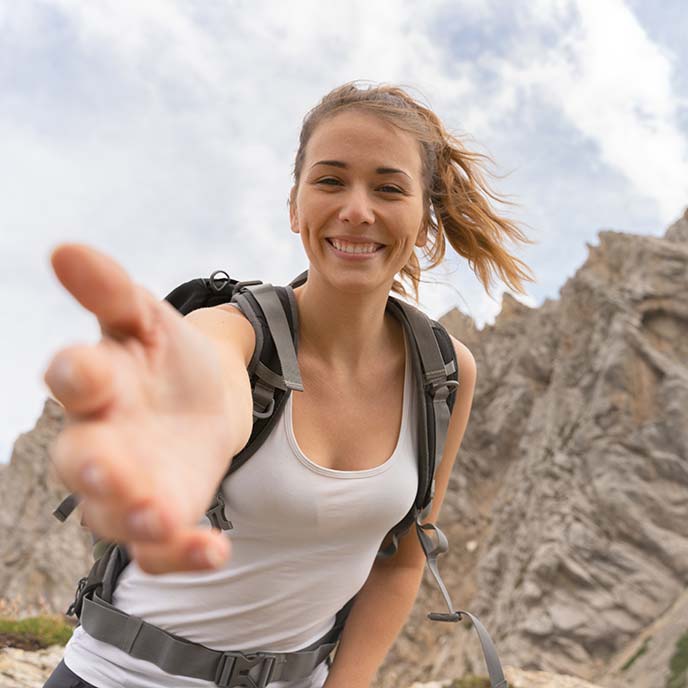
273, 371
102, 578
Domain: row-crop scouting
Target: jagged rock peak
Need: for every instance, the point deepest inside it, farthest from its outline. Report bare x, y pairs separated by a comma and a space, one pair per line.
460, 325
512, 308
678, 232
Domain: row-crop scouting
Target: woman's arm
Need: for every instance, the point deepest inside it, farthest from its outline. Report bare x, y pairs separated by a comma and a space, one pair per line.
234, 340
387, 597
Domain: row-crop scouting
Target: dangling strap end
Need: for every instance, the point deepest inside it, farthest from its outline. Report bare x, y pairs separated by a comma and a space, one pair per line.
66, 506
439, 616
216, 514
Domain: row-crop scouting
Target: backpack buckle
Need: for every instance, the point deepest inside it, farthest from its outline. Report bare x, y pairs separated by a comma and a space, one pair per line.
441, 389
216, 514
233, 670
82, 590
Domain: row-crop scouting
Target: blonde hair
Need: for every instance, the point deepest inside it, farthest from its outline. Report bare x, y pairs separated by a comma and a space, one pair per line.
456, 195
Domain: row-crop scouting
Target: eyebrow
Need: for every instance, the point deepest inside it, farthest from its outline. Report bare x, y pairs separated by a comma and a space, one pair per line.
343, 165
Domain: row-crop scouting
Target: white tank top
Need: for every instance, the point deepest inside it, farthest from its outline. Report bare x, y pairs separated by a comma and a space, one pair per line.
303, 543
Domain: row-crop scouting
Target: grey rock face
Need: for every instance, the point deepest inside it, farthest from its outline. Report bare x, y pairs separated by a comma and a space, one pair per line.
567, 511
517, 678
23, 669
678, 232
41, 559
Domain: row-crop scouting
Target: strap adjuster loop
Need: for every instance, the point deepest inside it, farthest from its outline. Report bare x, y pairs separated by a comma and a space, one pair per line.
234, 667
268, 411
242, 285
446, 386
218, 284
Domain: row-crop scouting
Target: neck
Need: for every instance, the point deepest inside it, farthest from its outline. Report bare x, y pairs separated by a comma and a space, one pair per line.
345, 331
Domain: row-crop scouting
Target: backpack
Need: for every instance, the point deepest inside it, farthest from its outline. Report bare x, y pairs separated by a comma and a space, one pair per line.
274, 374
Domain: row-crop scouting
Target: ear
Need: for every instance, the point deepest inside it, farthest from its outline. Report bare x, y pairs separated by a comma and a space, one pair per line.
293, 221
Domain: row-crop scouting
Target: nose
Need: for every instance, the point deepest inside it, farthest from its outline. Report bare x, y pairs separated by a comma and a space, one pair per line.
356, 208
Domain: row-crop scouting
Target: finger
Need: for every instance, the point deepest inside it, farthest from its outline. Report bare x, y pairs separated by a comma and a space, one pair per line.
81, 379
91, 461
144, 522
103, 287
192, 550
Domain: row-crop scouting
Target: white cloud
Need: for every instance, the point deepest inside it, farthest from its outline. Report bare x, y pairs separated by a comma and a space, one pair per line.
612, 84
164, 132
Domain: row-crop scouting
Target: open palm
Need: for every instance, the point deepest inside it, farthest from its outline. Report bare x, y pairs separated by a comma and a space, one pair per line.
147, 437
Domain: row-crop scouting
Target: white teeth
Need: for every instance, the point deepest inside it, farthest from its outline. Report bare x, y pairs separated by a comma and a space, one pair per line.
354, 248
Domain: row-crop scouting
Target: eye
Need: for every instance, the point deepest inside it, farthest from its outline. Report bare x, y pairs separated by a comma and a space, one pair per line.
394, 189
328, 180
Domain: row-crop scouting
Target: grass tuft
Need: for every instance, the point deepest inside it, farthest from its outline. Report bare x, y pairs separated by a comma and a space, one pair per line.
39, 630
35, 632
678, 665
641, 651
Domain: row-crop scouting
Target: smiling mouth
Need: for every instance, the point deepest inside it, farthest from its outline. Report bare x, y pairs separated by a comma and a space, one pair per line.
355, 249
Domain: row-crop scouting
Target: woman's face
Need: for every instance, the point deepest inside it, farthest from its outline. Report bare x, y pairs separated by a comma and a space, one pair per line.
359, 203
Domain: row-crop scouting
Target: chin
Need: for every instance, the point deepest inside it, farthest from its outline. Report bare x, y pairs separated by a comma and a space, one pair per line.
359, 284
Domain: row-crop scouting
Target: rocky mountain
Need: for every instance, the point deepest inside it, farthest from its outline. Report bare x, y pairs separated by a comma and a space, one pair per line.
567, 512
568, 509
41, 559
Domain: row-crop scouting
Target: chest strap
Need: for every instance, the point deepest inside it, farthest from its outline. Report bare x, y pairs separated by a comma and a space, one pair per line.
175, 655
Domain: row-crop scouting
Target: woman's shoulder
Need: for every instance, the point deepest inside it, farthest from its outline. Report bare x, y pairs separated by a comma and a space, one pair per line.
465, 360
226, 324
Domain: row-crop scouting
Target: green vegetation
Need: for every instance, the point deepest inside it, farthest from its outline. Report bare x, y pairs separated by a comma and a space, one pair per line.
471, 682
678, 666
34, 632
41, 629
639, 653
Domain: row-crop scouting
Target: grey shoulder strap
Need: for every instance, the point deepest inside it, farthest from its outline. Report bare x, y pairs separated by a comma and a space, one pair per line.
435, 380
272, 308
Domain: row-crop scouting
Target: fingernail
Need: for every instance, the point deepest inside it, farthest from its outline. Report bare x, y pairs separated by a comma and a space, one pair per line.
93, 478
211, 555
145, 523
63, 373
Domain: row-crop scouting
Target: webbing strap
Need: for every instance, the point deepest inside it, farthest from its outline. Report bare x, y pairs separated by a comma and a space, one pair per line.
271, 378
435, 383
281, 333
431, 356
494, 667
175, 655
432, 551
436, 375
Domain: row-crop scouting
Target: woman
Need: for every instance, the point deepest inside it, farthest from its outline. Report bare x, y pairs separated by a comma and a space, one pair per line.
157, 406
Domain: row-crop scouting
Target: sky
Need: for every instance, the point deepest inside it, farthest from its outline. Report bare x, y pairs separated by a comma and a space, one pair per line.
163, 133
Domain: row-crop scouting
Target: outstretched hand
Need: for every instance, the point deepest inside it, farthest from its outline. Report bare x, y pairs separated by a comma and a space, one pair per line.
146, 441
